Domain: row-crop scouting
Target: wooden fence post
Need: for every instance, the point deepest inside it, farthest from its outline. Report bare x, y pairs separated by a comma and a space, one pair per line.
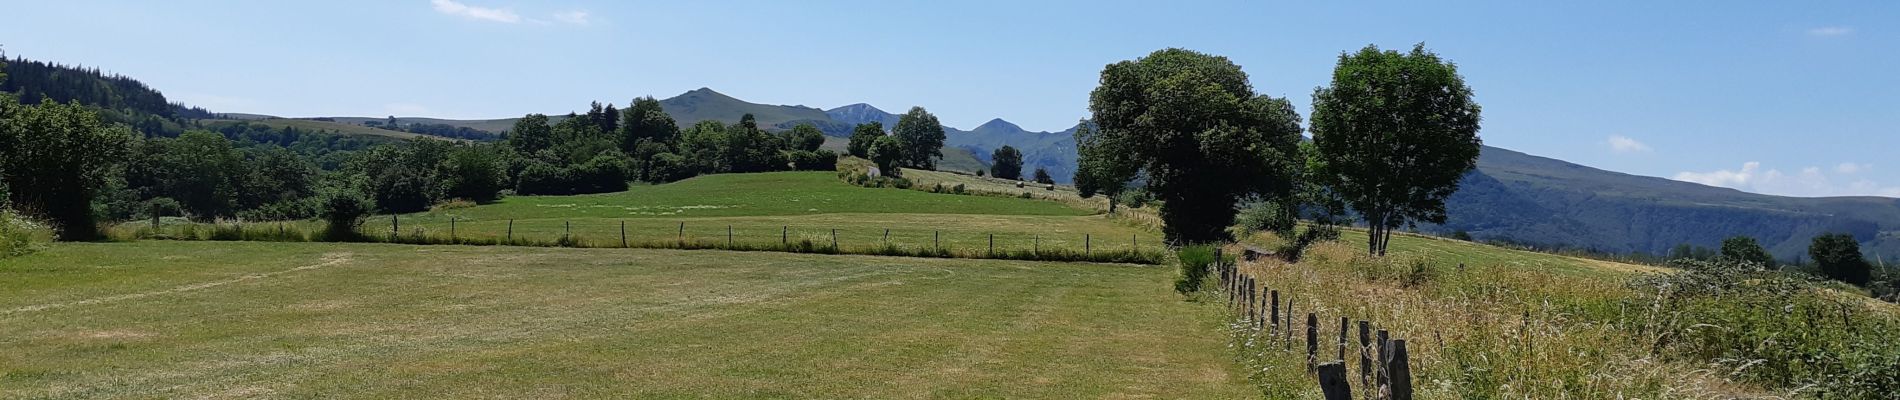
887, 236
1035, 246
1365, 353
1380, 376
1332, 381
992, 251
154, 218
1342, 338
567, 230
1312, 341
1132, 244
451, 229
936, 239
1087, 249
511, 231
395, 226
834, 239
623, 233
1275, 317
1289, 322
728, 237
1401, 379
784, 235
682, 234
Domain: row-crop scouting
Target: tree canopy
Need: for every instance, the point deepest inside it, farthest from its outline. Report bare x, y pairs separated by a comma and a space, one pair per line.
1191, 123
1743, 248
56, 157
1839, 257
1006, 163
921, 137
862, 136
1397, 131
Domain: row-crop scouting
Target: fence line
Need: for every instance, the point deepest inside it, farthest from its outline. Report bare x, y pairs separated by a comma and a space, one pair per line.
1383, 374
618, 234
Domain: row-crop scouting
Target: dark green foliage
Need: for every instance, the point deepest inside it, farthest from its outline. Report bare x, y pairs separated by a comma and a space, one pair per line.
201, 171
531, 134
1398, 131
475, 173
1266, 216
56, 158
922, 139
669, 167
1743, 248
1006, 163
862, 136
1196, 262
818, 160
1295, 248
343, 208
1042, 177
1190, 122
804, 137
36, 82
1687, 251
888, 153
1103, 171
1840, 259
1461, 235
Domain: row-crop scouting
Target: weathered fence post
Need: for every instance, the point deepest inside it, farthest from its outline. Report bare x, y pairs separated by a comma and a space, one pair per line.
623, 233
992, 251
280, 231
682, 234
834, 239
936, 239
1342, 337
567, 232
1380, 375
1289, 322
1035, 246
1365, 353
1401, 379
784, 235
1332, 381
887, 236
154, 218
511, 231
1132, 244
728, 237
395, 227
1312, 341
1087, 249
1275, 317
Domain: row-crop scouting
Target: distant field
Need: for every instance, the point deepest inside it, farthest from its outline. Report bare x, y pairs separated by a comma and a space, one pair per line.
246, 319
787, 206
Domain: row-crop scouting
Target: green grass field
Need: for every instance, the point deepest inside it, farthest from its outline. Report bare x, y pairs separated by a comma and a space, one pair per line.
249, 319
767, 208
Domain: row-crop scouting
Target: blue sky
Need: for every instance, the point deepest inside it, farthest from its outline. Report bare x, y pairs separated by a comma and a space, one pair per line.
1791, 98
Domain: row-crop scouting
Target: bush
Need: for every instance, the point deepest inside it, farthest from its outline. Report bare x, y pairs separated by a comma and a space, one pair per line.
1265, 216
1196, 262
819, 160
20, 236
958, 189
343, 209
1295, 249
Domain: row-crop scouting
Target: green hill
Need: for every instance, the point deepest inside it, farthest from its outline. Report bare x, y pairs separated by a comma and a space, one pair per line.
705, 104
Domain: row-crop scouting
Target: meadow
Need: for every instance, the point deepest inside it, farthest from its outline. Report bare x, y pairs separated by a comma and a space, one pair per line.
249, 319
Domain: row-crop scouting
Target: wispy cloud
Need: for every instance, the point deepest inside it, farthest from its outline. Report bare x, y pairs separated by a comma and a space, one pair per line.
1852, 168
1831, 31
573, 18
1625, 145
451, 7
1807, 182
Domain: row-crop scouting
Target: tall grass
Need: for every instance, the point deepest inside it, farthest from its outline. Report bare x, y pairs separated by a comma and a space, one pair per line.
21, 236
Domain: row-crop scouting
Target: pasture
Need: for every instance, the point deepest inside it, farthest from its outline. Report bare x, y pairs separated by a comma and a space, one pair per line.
252, 319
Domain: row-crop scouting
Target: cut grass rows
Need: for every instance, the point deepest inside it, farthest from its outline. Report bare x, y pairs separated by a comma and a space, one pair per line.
370, 320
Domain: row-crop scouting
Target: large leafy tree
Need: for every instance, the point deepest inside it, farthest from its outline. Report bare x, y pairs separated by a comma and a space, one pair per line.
1839, 257
474, 172
804, 137
202, 172
863, 136
1006, 163
888, 154
1397, 130
56, 157
1099, 169
531, 134
1192, 124
1744, 248
922, 138
645, 121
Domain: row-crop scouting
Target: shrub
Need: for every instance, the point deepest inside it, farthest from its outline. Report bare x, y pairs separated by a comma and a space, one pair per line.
343, 209
20, 236
1196, 261
958, 189
1461, 235
451, 204
1265, 216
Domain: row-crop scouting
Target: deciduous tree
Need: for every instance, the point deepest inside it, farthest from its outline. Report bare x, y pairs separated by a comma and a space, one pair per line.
1839, 257
1744, 248
922, 137
1398, 131
56, 157
863, 136
1006, 163
1195, 128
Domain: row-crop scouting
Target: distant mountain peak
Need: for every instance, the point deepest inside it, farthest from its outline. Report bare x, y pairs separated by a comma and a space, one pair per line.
856, 108
999, 124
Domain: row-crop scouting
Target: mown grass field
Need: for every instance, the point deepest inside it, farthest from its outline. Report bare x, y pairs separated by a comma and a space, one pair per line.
767, 208
249, 319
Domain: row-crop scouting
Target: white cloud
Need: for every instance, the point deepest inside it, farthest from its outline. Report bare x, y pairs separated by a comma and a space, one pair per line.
1831, 31
451, 7
1723, 178
1807, 182
1624, 144
573, 18
1852, 168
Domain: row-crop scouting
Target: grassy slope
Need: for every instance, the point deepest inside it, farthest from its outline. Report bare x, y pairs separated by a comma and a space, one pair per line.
340, 128
203, 319
761, 208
